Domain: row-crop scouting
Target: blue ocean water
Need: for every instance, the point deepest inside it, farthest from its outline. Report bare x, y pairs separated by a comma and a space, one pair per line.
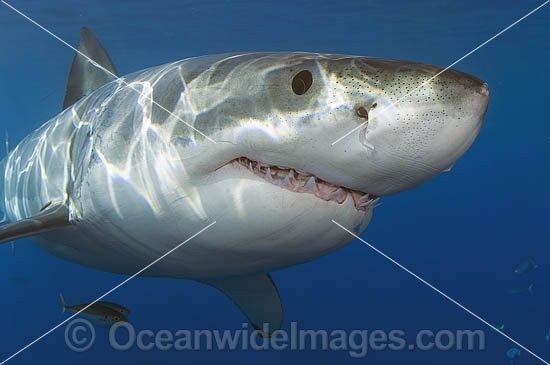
465, 231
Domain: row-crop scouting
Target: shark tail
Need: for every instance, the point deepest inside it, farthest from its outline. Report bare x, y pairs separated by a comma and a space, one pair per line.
62, 302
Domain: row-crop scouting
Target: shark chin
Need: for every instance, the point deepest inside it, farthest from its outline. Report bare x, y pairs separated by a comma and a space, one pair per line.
272, 222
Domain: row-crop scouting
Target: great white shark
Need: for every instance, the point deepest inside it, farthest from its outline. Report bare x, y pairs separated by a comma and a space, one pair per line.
135, 165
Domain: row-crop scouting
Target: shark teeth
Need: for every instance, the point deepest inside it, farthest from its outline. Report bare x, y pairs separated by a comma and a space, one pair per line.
291, 177
364, 198
311, 185
302, 182
286, 182
339, 196
370, 204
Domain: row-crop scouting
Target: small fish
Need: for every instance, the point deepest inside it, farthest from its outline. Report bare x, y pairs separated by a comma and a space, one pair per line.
526, 266
496, 329
512, 354
521, 291
548, 335
116, 307
97, 312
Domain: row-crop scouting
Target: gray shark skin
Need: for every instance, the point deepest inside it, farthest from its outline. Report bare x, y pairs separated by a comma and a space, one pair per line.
134, 180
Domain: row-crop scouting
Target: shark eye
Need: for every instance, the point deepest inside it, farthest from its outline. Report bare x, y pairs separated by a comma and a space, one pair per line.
302, 82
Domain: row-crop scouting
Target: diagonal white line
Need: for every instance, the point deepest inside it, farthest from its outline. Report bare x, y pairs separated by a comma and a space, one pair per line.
440, 292
104, 69
107, 293
448, 67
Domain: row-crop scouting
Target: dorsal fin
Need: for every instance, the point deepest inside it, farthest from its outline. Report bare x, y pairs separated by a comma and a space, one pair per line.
55, 216
84, 76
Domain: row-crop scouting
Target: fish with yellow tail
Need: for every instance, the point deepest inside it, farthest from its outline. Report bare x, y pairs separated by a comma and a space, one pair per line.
99, 313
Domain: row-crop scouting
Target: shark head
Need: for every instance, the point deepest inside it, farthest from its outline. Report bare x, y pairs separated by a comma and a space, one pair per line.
377, 126
280, 170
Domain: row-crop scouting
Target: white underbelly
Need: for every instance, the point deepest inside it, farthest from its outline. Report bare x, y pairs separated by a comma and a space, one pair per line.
259, 228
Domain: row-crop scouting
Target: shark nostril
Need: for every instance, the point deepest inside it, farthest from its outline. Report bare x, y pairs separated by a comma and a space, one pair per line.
362, 112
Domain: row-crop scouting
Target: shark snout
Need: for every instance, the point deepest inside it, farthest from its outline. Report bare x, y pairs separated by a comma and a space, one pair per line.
413, 136
484, 90
460, 118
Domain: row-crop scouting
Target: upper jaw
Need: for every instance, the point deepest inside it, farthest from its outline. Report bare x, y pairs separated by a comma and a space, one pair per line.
303, 182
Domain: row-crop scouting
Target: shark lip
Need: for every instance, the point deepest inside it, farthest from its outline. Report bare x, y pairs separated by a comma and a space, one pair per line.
301, 182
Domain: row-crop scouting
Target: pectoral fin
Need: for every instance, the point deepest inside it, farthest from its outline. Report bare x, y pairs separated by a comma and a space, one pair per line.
257, 297
56, 215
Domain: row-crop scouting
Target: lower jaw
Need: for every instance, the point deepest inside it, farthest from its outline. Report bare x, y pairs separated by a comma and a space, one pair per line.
289, 179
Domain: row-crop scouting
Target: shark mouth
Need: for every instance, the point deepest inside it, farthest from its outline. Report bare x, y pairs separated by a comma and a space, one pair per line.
300, 182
